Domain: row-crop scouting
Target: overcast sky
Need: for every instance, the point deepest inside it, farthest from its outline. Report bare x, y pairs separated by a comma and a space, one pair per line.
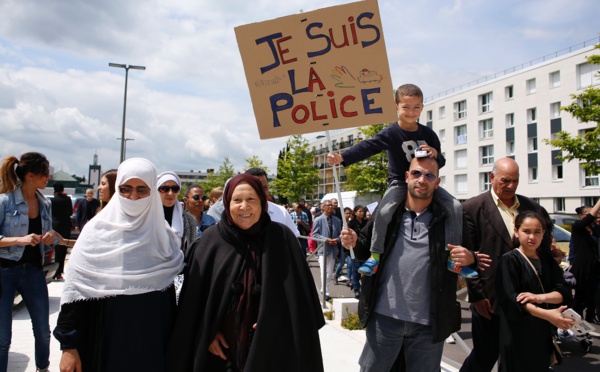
191, 108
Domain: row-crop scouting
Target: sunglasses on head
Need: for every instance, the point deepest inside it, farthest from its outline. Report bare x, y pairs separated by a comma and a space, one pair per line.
430, 177
198, 197
165, 189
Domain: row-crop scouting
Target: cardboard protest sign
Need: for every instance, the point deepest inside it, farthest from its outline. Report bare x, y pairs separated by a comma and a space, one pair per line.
315, 71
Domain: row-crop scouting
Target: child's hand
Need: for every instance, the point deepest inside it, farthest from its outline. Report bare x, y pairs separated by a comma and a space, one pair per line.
334, 158
431, 152
555, 317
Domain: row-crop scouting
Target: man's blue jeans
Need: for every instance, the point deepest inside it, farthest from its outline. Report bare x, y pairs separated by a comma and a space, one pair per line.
341, 263
30, 281
385, 337
355, 274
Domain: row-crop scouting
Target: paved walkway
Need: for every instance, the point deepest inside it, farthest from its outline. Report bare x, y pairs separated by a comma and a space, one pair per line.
340, 347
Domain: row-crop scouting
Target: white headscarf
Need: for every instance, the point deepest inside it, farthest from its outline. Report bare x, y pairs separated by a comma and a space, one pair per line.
128, 248
177, 222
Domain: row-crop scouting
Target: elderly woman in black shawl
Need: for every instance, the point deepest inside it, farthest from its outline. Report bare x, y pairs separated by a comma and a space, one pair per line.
248, 302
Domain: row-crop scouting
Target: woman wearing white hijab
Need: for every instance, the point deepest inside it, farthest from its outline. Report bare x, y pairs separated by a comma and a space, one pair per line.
118, 300
181, 221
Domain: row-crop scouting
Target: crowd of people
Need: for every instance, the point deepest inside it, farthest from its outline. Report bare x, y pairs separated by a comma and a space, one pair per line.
221, 281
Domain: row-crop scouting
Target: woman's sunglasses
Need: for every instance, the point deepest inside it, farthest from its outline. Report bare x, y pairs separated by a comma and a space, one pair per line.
165, 189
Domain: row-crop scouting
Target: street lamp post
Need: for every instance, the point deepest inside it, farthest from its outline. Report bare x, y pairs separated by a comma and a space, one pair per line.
126, 67
125, 149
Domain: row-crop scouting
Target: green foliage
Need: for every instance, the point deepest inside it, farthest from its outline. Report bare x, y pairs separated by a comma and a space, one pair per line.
328, 314
585, 148
79, 179
296, 175
351, 322
255, 162
369, 175
218, 179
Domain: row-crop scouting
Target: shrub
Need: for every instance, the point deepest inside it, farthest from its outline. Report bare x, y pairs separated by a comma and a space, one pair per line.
352, 322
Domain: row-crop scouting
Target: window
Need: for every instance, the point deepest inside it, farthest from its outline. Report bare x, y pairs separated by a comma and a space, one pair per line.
587, 74
442, 135
555, 79
530, 86
510, 148
531, 116
485, 184
442, 112
555, 110
486, 129
559, 204
532, 145
443, 181
460, 184
590, 179
486, 103
589, 200
429, 115
460, 110
486, 154
557, 172
533, 174
509, 92
510, 120
460, 159
553, 137
460, 134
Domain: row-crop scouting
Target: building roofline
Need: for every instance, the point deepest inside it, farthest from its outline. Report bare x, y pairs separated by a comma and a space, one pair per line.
582, 47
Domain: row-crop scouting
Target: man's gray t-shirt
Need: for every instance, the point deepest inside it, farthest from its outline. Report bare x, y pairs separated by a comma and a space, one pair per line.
405, 292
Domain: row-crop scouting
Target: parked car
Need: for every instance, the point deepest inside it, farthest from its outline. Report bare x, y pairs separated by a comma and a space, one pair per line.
562, 237
564, 219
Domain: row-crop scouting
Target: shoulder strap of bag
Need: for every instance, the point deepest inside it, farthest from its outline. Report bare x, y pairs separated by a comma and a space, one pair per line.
532, 268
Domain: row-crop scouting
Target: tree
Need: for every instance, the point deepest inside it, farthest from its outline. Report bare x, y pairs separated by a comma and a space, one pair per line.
369, 175
296, 175
255, 162
79, 179
586, 147
218, 179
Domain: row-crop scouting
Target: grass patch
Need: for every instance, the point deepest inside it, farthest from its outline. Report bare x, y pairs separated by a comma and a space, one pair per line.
352, 322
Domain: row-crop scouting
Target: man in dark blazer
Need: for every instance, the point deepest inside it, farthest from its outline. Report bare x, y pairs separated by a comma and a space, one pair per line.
86, 209
490, 223
61, 223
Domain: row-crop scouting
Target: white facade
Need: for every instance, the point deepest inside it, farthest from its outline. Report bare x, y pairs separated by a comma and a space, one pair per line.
340, 140
511, 116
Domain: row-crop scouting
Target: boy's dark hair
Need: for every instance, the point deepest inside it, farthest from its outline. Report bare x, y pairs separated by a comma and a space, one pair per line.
408, 90
257, 172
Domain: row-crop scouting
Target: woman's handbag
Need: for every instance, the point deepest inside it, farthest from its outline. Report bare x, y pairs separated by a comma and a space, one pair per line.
556, 356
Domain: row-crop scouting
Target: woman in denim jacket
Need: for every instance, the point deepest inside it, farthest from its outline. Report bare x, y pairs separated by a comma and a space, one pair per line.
25, 235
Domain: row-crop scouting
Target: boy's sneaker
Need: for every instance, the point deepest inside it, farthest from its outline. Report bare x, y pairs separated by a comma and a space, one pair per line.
463, 271
369, 267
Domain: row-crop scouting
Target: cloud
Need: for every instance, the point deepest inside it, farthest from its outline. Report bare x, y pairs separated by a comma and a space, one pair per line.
191, 107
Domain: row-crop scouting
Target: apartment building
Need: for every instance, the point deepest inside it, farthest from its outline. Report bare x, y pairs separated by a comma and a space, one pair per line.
511, 115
